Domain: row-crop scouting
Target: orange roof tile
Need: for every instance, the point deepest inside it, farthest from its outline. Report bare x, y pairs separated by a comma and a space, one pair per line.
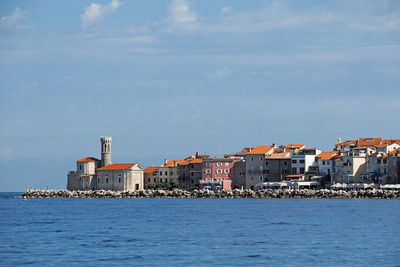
370, 141
87, 159
170, 163
295, 175
116, 167
260, 150
327, 155
150, 169
347, 143
295, 146
279, 155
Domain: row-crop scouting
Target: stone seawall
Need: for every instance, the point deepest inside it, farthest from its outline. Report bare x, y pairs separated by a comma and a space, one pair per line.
177, 193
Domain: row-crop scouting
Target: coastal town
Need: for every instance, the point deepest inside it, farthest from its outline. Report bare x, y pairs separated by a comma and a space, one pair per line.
363, 163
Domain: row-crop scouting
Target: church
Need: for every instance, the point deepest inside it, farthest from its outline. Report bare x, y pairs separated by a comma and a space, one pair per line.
94, 174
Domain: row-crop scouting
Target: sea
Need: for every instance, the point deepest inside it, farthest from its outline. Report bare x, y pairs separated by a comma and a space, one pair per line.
199, 232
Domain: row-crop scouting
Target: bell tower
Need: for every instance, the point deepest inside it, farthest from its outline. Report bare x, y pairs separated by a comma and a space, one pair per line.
105, 150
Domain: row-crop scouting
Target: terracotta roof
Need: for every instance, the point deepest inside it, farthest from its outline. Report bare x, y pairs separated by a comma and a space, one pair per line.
347, 143
260, 150
394, 152
116, 167
370, 141
327, 155
280, 155
150, 169
87, 159
218, 159
296, 146
189, 161
170, 163
294, 175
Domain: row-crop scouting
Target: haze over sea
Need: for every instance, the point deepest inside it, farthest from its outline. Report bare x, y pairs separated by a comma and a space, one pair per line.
93, 232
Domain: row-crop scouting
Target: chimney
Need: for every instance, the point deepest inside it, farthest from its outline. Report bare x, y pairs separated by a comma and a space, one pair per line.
175, 164
197, 154
339, 140
273, 144
165, 161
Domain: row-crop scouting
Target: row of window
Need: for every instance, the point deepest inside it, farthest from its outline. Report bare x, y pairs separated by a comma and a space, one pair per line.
98, 180
295, 161
261, 178
166, 173
208, 171
208, 164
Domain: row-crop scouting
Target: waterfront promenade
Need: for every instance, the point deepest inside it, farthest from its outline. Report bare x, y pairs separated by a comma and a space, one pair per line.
178, 193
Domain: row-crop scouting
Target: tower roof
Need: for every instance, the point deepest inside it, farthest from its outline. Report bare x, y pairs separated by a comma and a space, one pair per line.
87, 159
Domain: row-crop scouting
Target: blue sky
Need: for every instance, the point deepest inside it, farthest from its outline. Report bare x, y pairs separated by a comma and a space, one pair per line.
168, 78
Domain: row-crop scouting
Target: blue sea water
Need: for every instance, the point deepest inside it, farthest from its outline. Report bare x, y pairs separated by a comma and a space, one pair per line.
290, 232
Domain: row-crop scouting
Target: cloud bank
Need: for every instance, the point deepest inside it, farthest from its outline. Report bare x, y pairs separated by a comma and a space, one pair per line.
95, 13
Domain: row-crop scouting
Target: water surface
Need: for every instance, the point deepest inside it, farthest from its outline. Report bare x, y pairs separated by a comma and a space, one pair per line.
197, 232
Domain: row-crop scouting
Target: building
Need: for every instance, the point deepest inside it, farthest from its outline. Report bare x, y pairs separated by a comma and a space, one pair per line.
169, 172
94, 174
277, 166
120, 177
326, 162
217, 173
84, 176
190, 171
304, 162
150, 176
255, 164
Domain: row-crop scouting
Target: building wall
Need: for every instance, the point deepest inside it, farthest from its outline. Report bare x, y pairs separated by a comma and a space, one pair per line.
254, 170
87, 167
120, 180
325, 167
277, 169
190, 176
239, 174
150, 178
168, 175
73, 182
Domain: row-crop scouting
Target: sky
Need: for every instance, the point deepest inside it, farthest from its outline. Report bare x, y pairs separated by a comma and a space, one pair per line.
168, 78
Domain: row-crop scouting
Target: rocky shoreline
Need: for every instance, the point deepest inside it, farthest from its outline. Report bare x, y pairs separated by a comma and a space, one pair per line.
178, 193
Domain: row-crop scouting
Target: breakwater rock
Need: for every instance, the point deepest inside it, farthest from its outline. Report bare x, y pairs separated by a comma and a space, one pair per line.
178, 193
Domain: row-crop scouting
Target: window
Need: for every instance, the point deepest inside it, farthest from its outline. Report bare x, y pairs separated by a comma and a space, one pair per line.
323, 162
379, 161
192, 181
192, 166
226, 171
166, 173
284, 171
137, 186
219, 171
261, 158
285, 163
384, 161
294, 170
208, 171
384, 170
252, 178
302, 170
80, 167
226, 163
294, 161
106, 180
119, 180
252, 168
160, 173
154, 179
98, 180
261, 178
148, 180
208, 164
266, 163
192, 174
251, 159
219, 164
302, 161
171, 173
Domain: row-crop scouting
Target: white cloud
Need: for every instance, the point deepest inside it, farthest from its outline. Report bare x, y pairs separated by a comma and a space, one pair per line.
226, 9
221, 73
13, 20
95, 13
179, 13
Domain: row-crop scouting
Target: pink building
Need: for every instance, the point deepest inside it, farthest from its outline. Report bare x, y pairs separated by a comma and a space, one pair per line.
217, 173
